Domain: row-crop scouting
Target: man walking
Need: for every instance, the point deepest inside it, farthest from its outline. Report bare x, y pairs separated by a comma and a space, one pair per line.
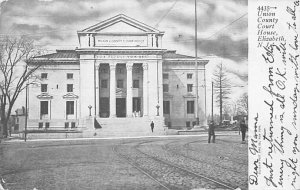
152, 126
211, 132
243, 130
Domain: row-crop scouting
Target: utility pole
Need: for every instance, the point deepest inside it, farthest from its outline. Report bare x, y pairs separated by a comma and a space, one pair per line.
205, 116
26, 113
196, 67
212, 101
221, 97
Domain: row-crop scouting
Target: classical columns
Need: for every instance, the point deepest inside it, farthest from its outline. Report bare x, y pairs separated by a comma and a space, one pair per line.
129, 90
97, 87
145, 89
112, 90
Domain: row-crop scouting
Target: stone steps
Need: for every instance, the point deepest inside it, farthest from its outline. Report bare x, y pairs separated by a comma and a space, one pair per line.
124, 127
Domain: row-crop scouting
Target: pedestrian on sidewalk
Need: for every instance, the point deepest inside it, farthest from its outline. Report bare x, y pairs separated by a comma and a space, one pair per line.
152, 126
243, 128
211, 132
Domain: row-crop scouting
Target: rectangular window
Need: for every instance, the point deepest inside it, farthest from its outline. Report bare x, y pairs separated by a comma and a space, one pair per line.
40, 125
66, 125
44, 87
136, 84
73, 124
165, 76
190, 107
190, 87
120, 84
44, 75
44, 107
69, 75
47, 125
166, 107
103, 83
69, 87
165, 88
189, 75
70, 107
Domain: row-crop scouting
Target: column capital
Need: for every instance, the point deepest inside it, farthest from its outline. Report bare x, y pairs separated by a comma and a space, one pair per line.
129, 66
145, 66
98, 62
112, 66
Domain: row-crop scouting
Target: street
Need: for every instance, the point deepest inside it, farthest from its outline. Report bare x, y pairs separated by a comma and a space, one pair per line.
181, 162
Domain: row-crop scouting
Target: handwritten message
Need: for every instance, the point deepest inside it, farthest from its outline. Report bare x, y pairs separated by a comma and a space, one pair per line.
274, 122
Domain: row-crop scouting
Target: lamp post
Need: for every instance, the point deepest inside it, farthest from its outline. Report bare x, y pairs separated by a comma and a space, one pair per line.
90, 108
157, 107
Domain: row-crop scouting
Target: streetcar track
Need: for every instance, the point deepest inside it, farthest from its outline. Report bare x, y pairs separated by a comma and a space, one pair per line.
167, 148
188, 147
135, 147
138, 168
170, 165
188, 171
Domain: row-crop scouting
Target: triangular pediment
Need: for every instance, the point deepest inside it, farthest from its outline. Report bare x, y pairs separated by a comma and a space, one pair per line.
44, 96
70, 96
120, 24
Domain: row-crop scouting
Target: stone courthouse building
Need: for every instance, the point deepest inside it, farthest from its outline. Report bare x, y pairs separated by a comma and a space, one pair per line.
119, 75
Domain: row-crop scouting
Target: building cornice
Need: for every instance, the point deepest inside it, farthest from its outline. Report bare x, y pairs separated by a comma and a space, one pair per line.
120, 34
120, 51
184, 61
53, 62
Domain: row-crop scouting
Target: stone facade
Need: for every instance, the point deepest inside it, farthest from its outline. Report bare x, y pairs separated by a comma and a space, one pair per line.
118, 71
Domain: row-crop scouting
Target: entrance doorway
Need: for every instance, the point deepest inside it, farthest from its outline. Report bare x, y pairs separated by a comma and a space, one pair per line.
121, 107
136, 104
104, 107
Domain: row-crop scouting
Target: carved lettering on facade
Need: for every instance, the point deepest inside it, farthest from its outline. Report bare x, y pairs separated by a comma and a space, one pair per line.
125, 56
124, 41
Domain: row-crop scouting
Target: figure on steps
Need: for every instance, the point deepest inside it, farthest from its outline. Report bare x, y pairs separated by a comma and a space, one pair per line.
152, 126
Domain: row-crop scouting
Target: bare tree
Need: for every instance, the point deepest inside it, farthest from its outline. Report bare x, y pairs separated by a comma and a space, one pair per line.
14, 73
243, 104
221, 87
227, 110
234, 108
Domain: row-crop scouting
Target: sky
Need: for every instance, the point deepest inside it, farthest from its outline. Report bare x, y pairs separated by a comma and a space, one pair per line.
222, 27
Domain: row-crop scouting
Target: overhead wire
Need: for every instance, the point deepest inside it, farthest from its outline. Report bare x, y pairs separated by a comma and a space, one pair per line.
164, 16
157, 24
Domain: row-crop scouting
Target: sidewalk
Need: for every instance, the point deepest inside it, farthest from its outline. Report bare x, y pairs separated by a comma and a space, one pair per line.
203, 134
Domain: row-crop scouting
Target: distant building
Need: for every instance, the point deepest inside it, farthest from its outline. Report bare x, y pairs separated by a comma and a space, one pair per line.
18, 124
120, 70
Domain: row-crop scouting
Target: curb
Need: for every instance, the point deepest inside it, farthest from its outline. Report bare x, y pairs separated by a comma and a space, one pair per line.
113, 138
